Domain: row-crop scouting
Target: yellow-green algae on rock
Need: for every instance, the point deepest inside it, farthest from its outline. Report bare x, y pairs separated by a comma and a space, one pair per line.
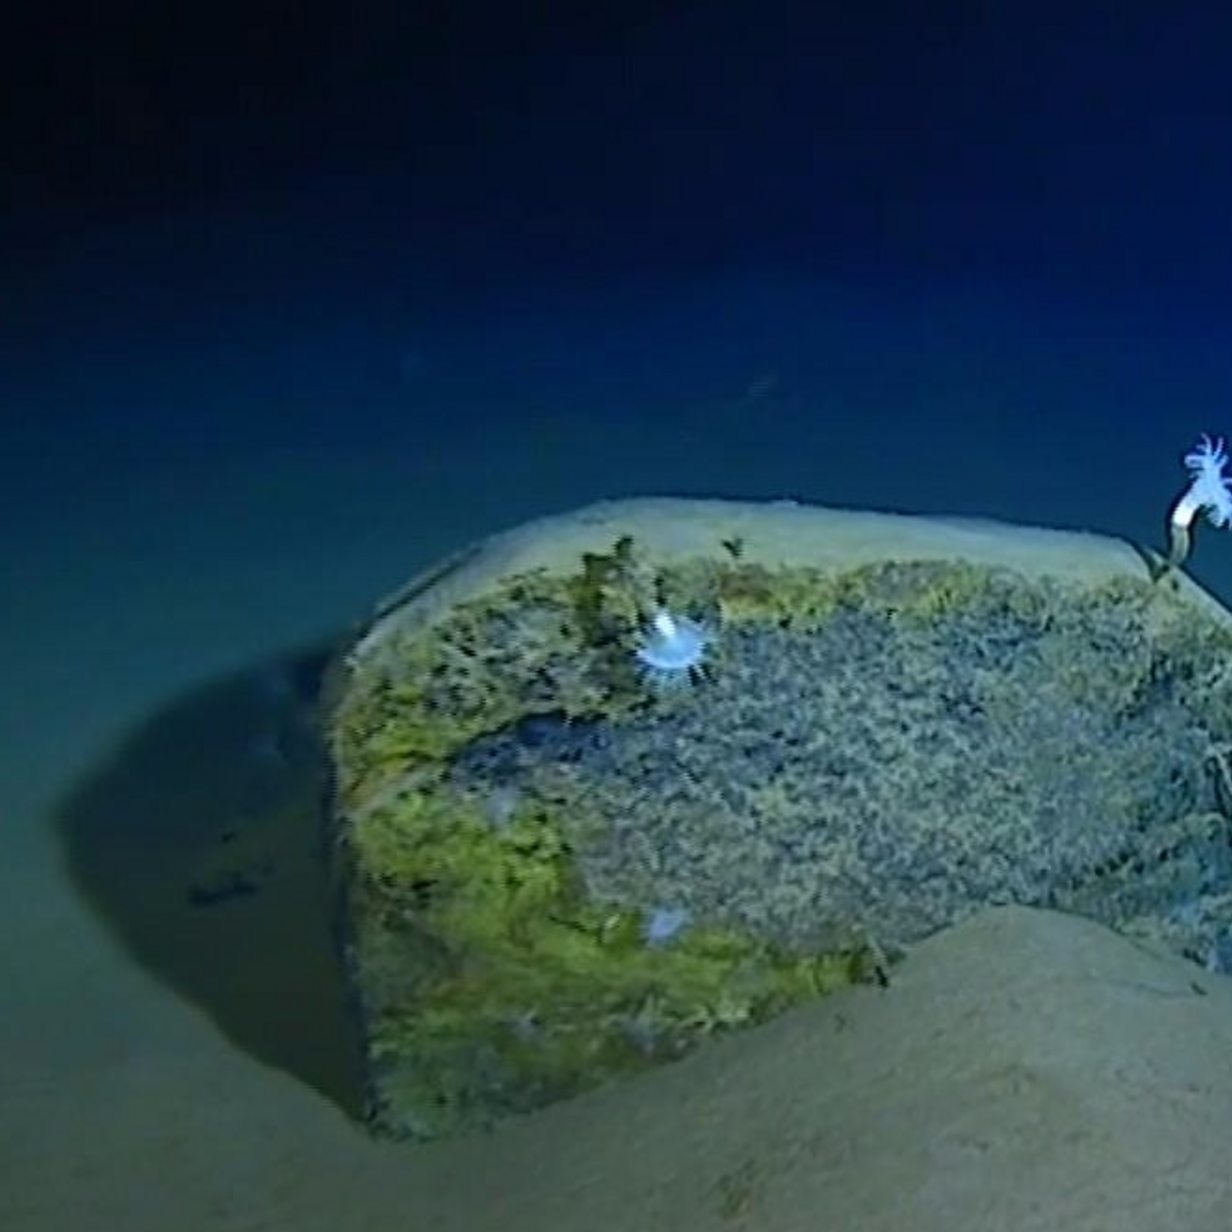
517, 809
488, 981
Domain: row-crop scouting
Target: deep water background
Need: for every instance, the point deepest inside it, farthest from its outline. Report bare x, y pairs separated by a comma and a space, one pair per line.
324, 298
293, 303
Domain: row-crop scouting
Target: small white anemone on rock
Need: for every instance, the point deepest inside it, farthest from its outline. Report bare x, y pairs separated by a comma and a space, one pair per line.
673, 651
1208, 493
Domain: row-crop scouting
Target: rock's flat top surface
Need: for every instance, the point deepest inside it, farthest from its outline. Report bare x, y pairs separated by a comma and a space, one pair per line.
786, 533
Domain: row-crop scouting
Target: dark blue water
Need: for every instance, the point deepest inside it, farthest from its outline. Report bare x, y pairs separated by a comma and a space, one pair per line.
482, 265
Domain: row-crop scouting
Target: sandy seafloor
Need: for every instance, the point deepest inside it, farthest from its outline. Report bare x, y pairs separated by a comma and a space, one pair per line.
1030, 1077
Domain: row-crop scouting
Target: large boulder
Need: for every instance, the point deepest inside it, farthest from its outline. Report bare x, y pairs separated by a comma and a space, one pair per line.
558, 867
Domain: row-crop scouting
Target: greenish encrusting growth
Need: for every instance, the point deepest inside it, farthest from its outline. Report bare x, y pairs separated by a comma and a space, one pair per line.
555, 875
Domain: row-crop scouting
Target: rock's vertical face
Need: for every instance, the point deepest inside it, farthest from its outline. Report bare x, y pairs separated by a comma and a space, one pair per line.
557, 871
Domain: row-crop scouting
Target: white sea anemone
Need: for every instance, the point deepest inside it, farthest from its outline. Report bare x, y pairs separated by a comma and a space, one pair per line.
665, 924
1209, 493
674, 650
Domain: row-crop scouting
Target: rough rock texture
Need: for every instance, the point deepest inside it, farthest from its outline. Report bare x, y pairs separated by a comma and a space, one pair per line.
888, 771
557, 872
